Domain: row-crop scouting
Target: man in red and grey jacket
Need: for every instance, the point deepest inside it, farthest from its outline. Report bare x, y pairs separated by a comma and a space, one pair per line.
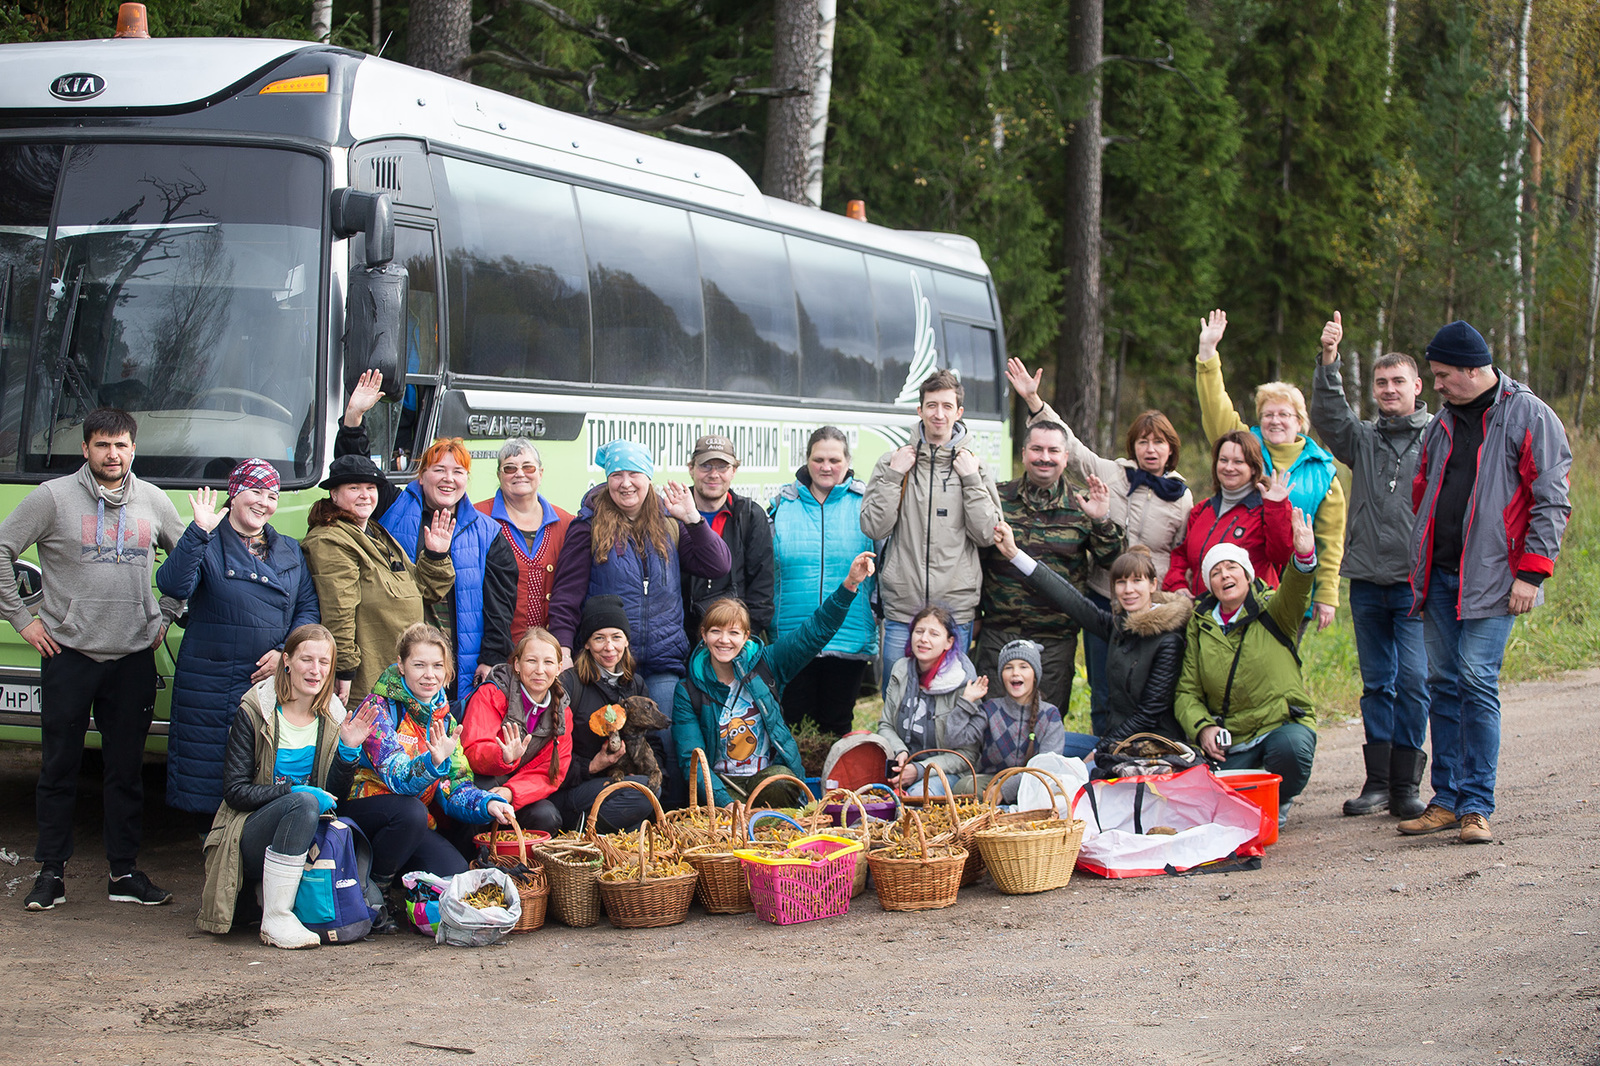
1491, 504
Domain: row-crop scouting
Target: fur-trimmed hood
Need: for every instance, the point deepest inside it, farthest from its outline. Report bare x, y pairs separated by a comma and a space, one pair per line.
1168, 613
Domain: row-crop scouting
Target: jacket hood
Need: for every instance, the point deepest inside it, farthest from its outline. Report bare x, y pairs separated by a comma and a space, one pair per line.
800, 487
705, 676
1168, 613
954, 674
1417, 419
958, 434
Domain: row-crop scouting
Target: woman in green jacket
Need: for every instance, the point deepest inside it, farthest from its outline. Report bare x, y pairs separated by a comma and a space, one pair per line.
729, 704
1241, 697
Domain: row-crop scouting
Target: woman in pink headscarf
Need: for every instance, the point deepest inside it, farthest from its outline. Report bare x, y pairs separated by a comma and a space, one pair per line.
248, 587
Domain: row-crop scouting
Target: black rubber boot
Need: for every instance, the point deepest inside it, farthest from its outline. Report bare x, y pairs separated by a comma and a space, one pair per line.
1405, 779
1375, 793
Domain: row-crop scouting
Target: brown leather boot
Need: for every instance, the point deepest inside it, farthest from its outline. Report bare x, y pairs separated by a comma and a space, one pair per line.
1431, 820
1475, 829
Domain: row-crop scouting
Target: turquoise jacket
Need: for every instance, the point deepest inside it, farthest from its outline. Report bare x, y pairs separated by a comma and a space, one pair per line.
814, 544
785, 657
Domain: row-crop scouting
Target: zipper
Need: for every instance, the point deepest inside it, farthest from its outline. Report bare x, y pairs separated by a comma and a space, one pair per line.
927, 532
822, 549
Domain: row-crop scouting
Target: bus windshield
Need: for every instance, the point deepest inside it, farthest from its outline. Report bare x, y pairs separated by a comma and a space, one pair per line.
178, 282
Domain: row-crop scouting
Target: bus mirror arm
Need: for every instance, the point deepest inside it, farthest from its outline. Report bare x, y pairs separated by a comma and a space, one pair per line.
369, 214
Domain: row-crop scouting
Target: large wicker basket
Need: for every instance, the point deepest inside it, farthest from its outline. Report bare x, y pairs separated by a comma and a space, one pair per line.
1053, 788
701, 823
532, 886
573, 873
1032, 857
861, 831
815, 822
647, 901
924, 882
722, 888
964, 814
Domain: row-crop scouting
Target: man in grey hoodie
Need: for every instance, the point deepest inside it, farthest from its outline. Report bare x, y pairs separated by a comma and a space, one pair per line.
1382, 456
96, 631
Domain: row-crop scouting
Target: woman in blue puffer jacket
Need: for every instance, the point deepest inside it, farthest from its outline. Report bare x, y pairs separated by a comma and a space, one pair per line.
816, 534
248, 587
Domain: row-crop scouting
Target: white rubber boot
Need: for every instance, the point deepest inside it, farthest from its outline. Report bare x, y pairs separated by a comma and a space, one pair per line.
280, 879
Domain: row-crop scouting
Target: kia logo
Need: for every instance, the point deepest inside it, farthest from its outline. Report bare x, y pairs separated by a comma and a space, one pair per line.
78, 86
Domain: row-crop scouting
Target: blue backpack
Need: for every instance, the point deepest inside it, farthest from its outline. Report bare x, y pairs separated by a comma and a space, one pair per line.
332, 899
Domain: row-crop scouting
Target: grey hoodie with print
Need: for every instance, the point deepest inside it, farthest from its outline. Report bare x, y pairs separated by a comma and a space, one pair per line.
97, 551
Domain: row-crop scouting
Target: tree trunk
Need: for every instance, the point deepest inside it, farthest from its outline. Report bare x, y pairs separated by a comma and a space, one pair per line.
1587, 384
1518, 341
1388, 37
321, 20
785, 167
1082, 342
377, 26
821, 91
1352, 380
438, 36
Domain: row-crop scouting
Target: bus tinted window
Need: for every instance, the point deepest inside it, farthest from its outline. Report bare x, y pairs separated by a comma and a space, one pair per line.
752, 338
517, 277
648, 322
970, 351
902, 301
967, 297
838, 338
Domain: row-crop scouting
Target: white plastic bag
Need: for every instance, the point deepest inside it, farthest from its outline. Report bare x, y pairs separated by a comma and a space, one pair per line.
1208, 821
1034, 795
466, 926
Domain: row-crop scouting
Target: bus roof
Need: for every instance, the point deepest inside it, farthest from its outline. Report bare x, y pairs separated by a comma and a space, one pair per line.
389, 99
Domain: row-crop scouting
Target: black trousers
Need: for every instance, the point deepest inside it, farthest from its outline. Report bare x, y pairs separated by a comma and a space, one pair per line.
825, 691
122, 695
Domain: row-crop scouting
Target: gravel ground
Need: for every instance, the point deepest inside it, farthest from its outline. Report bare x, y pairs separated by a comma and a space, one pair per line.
1351, 945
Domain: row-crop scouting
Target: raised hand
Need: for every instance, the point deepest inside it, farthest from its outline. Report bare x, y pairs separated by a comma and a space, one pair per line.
1276, 487
1305, 541
436, 538
1025, 385
1005, 539
965, 464
514, 742
441, 741
1098, 503
680, 502
1332, 334
976, 689
364, 397
903, 459
357, 726
861, 568
203, 504
1212, 327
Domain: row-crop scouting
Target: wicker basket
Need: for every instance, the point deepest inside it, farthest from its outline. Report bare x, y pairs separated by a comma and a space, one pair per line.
917, 884
532, 886
1052, 785
722, 888
573, 873
815, 822
702, 823
924, 799
1038, 859
646, 902
861, 831
964, 824
511, 841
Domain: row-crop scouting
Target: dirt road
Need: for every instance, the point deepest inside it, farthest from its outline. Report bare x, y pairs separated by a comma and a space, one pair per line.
1351, 945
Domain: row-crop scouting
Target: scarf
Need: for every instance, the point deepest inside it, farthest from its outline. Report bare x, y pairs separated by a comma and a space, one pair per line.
118, 498
416, 710
925, 677
1170, 489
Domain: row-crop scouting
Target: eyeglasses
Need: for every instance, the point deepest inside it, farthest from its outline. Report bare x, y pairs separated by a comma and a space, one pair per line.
529, 469
715, 466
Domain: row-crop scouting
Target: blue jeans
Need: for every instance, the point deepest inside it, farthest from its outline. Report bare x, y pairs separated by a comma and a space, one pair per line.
674, 793
896, 635
1394, 664
1464, 656
1094, 663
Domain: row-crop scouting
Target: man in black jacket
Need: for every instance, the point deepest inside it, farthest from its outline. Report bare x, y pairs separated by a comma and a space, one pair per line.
742, 524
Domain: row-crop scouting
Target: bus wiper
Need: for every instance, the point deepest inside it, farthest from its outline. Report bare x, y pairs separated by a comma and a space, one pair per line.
67, 371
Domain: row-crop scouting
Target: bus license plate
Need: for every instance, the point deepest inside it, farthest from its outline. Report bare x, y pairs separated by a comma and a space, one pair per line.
19, 698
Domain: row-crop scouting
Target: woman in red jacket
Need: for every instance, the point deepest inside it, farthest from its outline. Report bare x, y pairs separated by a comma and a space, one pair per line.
1246, 511
517, 731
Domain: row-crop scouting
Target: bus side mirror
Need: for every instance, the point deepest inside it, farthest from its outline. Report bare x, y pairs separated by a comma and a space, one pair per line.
376, 298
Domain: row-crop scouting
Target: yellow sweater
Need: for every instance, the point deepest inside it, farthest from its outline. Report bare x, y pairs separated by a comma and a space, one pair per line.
1218, 416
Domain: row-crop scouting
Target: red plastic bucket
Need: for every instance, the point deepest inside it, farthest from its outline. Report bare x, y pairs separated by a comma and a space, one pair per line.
1261, 789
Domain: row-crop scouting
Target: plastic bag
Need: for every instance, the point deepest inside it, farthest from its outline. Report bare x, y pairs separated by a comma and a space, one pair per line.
466, 926
1035, 795
1199, 822
422, 900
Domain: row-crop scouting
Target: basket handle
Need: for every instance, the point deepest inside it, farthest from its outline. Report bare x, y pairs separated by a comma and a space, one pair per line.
847, 797
522, 840
699, 762
750, 801
955, 813
771, 814
1171, 746
911, 818
973, 770
594, 809
1052, 783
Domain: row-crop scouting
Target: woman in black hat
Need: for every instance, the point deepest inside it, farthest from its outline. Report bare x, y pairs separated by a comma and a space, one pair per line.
603, 672
369, 589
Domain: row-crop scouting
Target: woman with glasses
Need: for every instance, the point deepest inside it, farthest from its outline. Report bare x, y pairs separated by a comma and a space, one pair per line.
521, 563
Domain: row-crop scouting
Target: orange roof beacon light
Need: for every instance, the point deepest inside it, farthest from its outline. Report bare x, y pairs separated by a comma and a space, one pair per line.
132, 21
856, 209
308, 83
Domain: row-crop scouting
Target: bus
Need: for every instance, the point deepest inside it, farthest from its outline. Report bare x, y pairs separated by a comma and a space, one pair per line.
220, 235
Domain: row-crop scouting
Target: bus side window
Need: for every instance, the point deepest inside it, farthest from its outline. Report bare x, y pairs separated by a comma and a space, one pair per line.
903, 302
838, 338
971, 352
752, 338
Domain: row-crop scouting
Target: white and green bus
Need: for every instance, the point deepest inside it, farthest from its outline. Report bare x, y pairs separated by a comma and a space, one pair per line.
219, 235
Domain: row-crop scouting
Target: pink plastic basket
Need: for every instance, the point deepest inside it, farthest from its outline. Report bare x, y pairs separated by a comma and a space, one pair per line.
786, 891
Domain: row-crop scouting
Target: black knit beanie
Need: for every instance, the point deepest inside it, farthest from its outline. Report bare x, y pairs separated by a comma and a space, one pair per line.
600, 612
1458, 344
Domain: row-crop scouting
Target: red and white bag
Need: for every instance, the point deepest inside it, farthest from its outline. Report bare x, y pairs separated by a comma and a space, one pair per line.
1211, 823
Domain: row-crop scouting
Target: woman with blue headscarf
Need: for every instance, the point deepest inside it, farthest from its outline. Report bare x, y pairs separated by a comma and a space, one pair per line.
630, 542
